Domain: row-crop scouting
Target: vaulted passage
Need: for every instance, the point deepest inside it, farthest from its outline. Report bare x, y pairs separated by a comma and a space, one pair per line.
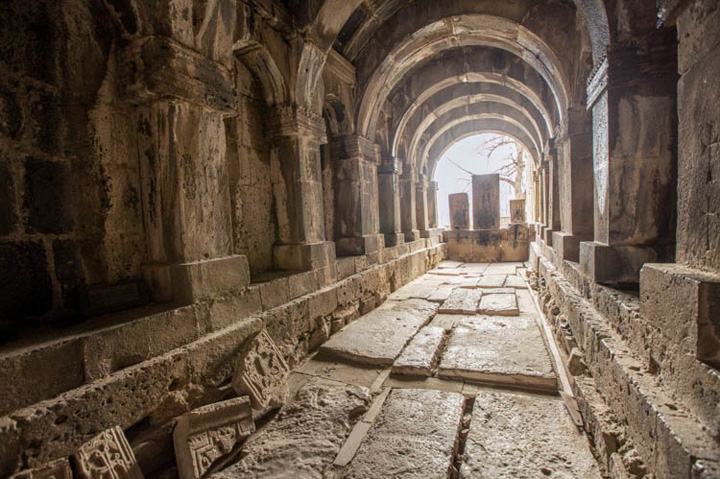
248, 238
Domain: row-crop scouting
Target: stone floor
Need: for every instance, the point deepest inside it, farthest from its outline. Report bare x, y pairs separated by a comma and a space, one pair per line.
451, 377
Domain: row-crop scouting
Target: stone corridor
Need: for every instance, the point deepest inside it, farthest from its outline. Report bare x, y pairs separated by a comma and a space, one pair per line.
451, 377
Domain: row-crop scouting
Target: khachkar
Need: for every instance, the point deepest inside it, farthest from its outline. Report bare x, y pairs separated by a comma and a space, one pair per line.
459, 211
486, 201
262, 373
108, 456
517, 211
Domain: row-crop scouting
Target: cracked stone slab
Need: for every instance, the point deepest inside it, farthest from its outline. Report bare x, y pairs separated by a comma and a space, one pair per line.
461, 301
505, 351
491, 281
415, 437
305, 437
420, 357
523, 436
379, 337
499, 305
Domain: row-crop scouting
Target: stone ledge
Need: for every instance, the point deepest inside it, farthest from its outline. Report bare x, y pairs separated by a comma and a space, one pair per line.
669, 439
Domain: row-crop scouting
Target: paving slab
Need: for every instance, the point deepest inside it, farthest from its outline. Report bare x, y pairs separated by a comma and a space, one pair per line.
526, 303
446, 321
461, 301
420, 357
499, 305
414, 438
515, 281
491, 281
502, 268
505, 351
305, 437
330, 368
449, 264
441, 293
417, 382
379, 337
523, 436
419, 291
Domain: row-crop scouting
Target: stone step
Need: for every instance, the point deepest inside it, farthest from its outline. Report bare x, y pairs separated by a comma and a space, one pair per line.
415, 437
505, 351
515, 435
420, 357
379, 337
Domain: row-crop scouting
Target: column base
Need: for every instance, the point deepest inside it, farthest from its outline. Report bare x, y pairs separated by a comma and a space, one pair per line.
202, 280
394, 239
431, 232
567, 246
548, 236
615, 265
304, 257
359, 245
411, 236
683, 304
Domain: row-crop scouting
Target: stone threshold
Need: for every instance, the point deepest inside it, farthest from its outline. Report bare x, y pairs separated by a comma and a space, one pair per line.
148, 360
670, 440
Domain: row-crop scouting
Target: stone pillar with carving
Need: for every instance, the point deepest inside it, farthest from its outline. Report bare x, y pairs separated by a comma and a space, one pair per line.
432, 203
295, 137
180, 118
408, 211
389, 201
633, 99
356, 213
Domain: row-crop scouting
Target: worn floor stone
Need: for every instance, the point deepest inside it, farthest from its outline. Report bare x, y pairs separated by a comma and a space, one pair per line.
329, 368
303, 440
420, 357
502, 268
414, 437
508, 351
515, 281
499, 304
491, 281
441, 293
461, 301
379, 337
522, 436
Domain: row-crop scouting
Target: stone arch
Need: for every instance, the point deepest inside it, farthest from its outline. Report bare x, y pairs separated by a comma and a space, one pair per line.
258, 59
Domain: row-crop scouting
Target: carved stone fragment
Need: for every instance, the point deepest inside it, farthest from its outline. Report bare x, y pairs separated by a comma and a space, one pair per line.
203, 437
107, 456
262, 373
59, 469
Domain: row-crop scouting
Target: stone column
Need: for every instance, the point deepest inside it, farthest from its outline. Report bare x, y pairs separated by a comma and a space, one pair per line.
421, 207
356, 217
295, 137
633, 101
486, 201
408, 213
183, 171
389, 204
459, 211
553, 193
432, 203
575, 186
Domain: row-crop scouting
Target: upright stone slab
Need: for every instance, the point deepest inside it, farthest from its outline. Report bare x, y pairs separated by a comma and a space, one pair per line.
514, 435
262, 373
107, 456
517, 211
59, 469
203, 437
459, 211
486, 201
414, 437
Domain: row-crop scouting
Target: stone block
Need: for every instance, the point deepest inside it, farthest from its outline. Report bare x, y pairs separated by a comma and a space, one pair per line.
459, 211
301, 284
58, 469
205, 436
49, 196
517, 211
107, 456
262, 373
102, 298
462, 301
567, 246
486, 201
304, 257
499, 305
420, 357
203, 280
614, 264
492, 281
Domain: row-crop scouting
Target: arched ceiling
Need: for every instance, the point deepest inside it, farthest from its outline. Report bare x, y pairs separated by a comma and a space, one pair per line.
428, 71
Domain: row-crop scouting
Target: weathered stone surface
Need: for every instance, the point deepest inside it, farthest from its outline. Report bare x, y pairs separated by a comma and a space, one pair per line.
380, 336
107, 456
305, 437
499, 305
205, 436
491, 281
414, 437
441, 293
515, 281
459, 211
262, 372
461, 301
421, 355
516, 436
500, 351
59, 469
486, 201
